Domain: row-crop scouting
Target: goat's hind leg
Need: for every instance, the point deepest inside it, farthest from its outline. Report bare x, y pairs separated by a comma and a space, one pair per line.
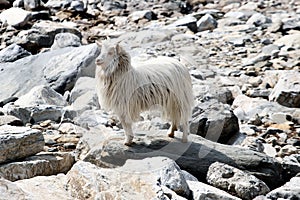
172, 129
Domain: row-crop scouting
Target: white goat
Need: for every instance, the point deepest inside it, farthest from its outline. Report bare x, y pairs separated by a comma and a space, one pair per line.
128, 91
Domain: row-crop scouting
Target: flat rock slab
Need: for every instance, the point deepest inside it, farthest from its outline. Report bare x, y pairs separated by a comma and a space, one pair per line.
41, 187
19, 142
43, 164
107, 150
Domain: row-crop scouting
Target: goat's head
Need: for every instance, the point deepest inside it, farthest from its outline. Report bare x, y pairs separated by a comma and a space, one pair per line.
108, 59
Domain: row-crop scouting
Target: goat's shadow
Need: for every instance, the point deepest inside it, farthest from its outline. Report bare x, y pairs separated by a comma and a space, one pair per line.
195, 156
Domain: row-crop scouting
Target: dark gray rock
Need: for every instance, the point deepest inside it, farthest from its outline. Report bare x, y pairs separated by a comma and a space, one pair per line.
42, 164
234, 180
207, 22
215, 122
12, 53
19, 142
291, 166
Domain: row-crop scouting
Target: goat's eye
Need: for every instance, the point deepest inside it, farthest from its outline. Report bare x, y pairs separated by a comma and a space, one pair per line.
110, 53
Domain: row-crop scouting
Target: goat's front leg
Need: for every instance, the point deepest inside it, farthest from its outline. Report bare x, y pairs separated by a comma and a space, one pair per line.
127, 126
185, 127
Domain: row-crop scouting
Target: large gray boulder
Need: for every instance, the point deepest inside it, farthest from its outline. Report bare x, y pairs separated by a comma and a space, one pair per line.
214, 121
42, 164
59, 69
19, 142
107, 149
63, 71
140, 179
234, 180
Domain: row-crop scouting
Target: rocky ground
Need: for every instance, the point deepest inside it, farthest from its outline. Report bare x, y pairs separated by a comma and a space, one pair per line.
57, 143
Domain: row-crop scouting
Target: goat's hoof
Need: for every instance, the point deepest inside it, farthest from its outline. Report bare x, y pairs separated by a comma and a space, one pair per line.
128, 143
171, 135
184, 140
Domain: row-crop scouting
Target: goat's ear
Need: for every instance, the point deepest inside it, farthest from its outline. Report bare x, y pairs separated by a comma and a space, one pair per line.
118, 48
98, 43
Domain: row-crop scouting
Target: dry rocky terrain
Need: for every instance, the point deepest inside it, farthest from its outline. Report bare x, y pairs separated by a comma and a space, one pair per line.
244, 59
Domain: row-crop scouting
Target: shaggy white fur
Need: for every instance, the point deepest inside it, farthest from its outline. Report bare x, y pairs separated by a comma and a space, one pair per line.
128, 90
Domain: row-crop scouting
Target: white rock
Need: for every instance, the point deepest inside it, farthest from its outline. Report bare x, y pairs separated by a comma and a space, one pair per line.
291, 40
203, 191
290, 190
16, 17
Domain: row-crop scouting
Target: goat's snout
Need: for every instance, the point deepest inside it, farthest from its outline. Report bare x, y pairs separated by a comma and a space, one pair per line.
99, 61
